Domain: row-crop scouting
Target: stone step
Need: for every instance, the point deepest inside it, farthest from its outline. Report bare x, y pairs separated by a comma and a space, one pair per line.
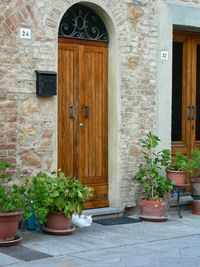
101, 213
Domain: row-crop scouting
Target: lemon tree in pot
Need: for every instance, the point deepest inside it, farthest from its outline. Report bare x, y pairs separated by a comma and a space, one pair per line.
178, 168
13, 202
155, 185
55, 198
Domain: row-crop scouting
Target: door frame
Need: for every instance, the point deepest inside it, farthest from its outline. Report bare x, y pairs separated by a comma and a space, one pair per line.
189, 39
114, 83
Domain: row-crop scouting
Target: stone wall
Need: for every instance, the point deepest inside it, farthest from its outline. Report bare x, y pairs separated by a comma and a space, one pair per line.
28, 125
28, 132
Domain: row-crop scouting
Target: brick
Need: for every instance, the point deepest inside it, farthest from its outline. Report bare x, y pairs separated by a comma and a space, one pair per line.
19, 2
6, 28
24, 13
10, 23
30, 11
3, 154
11, 160
8, 118
8, 105
4, 147
11, 153
7, 132
19, 16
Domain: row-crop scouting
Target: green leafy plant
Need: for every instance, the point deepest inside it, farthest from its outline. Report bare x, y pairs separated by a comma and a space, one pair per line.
181, 163
57, 193
195, 157
12, 197
149, 172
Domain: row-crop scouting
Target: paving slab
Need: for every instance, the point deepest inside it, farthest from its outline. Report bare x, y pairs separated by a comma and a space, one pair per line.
7, 260
62, 261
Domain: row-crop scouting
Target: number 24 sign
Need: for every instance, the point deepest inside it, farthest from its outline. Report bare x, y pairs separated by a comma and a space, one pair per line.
25, 33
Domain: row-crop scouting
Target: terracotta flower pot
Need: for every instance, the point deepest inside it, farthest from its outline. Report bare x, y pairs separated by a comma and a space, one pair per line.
196, 207
58, 221
8, 225
177, 176
195, 181
153, 210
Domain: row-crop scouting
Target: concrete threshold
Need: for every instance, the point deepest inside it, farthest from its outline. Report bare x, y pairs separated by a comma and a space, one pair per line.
103, 212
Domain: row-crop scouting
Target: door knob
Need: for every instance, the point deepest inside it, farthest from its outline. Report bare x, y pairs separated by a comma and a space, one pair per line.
81, 125
87, 111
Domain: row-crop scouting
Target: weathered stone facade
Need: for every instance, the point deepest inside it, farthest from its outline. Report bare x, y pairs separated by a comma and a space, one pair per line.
28, 124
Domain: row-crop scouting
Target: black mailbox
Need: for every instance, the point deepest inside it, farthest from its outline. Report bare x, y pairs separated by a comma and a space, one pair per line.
46, 83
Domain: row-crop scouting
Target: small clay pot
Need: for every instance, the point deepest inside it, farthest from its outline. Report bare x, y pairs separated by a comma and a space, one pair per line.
8, 225
178, 177
58, 221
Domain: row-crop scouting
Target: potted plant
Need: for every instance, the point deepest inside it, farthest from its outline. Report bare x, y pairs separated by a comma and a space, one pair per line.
13, 202
178, 169
55, 198
155, 185
195, 181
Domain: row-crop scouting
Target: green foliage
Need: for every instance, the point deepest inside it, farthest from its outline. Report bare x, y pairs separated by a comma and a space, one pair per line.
57, 193
12, 197
181, 163
196, 161
149, 171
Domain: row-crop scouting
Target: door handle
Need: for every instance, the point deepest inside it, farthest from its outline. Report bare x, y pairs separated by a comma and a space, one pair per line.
194, 113
87, 111
190, 113
71, 111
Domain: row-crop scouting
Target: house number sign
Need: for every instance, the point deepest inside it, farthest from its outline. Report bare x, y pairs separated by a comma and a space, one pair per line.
164, 55
25, 33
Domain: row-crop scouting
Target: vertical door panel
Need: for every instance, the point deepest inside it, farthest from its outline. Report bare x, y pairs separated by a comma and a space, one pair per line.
197, 133
67, 96
181, 95
196, 86
93, 137
177, 91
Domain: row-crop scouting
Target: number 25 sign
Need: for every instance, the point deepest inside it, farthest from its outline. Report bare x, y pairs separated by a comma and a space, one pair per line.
25, 33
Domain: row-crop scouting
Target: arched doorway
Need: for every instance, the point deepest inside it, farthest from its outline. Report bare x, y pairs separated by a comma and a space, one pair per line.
83, 100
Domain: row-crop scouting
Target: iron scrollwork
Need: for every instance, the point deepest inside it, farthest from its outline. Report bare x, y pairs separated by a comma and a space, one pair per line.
82, 22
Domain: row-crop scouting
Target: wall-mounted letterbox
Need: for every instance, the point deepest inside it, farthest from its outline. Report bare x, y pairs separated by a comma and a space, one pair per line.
46, 83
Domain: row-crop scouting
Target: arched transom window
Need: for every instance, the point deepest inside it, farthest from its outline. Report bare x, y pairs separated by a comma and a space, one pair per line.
81, 22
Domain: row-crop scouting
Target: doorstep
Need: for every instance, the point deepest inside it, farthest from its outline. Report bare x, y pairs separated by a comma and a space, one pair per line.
107, 212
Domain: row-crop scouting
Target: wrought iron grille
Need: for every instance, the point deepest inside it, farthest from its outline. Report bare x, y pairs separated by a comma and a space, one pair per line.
81, 22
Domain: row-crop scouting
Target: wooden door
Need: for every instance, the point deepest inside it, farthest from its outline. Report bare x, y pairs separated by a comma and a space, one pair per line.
186, 92
83, 115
